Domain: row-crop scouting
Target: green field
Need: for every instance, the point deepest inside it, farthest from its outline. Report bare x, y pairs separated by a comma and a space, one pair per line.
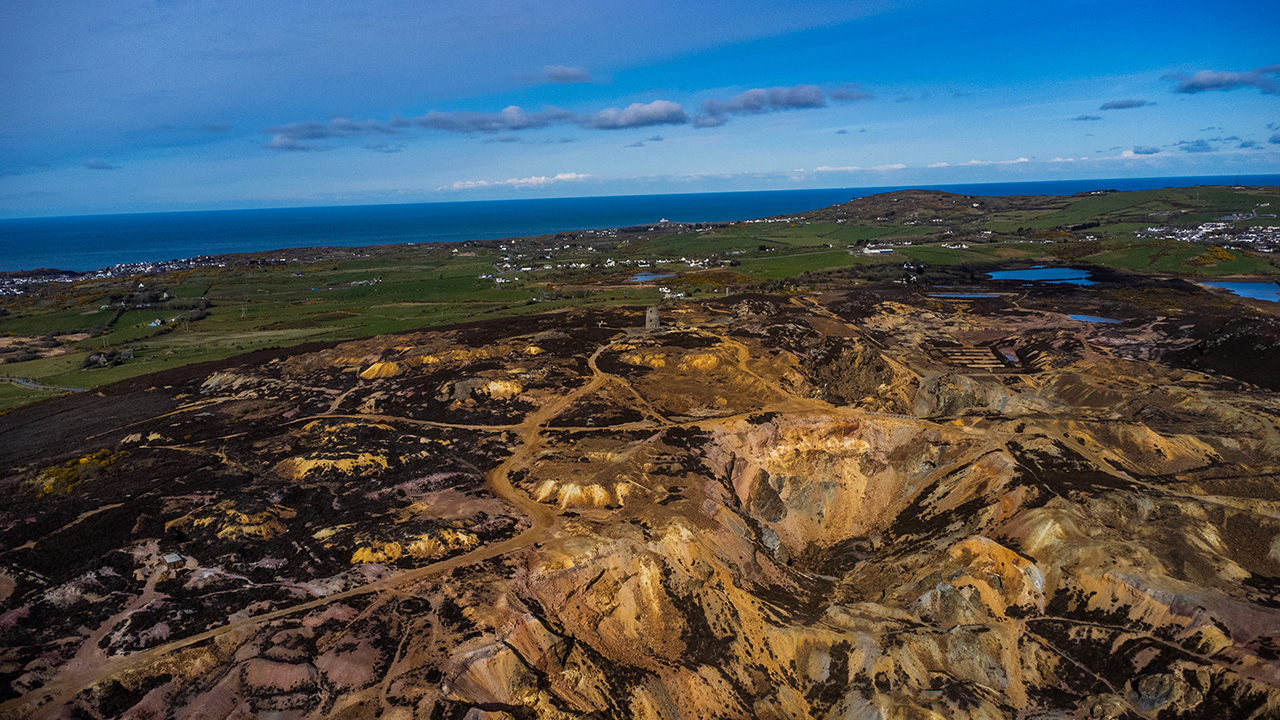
12, 396
212, 313
1122, 212
1181, 258
980, 254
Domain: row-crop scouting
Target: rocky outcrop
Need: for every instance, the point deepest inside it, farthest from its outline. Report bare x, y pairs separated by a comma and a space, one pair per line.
763, 511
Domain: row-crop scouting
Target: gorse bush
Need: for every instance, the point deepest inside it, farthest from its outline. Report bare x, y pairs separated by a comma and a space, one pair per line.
62, 479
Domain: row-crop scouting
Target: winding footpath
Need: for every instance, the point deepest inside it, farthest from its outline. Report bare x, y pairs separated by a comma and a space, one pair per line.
48, 700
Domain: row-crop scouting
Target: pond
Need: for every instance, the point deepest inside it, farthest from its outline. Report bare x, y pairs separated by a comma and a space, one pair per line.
1255, 290
1093, 319
649, 277
1045, 274
964, 295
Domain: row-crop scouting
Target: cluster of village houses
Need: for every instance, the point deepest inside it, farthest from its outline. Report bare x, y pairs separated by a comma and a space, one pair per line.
1261, 238
17, 285
509, 266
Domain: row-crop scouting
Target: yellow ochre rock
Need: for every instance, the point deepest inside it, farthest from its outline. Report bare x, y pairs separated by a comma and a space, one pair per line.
381, 370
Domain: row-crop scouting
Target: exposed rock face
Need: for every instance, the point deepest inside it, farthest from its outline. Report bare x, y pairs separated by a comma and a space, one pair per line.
765, 511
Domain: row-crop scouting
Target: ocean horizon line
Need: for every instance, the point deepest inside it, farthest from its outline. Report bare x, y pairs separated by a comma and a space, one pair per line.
84, 243
1273, 177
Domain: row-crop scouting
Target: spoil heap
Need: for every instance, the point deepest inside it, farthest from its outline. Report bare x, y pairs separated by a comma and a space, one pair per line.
773, 507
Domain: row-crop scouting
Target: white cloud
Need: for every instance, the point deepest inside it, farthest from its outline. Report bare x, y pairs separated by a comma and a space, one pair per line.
566, 75
857, 168
511, 119
658, 112
527, 182
1209, 80
758, 101
282, 142
996, 162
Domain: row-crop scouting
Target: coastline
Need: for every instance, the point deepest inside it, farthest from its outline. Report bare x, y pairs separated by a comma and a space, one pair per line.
93, 243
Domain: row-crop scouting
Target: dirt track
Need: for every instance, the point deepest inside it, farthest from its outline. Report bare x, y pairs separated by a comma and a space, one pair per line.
76, 676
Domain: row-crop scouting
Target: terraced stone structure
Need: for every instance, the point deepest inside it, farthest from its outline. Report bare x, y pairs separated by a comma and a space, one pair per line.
774, 507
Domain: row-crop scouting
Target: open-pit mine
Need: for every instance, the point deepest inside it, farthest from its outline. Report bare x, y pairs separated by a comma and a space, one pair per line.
853, 502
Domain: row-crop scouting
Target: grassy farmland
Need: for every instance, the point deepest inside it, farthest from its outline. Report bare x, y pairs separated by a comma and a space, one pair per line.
207, 313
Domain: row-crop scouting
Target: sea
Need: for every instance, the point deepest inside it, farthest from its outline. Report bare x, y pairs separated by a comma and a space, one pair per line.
91, 242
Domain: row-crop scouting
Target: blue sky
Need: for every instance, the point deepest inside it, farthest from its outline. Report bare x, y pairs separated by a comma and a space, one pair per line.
134, 106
